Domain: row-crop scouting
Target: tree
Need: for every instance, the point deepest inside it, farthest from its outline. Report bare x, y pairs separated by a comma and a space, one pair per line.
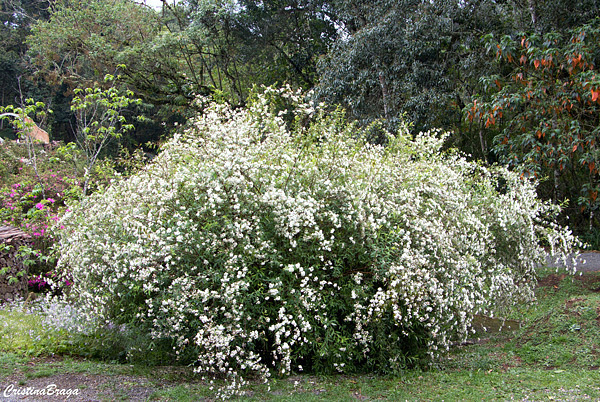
230, 46
82, 42
421, 60
409, 59
191, 48
100, 120
287, 37
545, 110
16, 18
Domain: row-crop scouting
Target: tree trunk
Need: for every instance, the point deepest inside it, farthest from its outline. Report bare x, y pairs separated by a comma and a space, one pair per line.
384, 91
483, 144
534, 15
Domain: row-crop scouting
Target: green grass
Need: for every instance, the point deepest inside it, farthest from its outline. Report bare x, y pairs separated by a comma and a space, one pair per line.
555, 355
562, 330
25, 334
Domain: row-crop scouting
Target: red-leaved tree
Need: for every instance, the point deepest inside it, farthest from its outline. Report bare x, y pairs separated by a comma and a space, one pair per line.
544, 106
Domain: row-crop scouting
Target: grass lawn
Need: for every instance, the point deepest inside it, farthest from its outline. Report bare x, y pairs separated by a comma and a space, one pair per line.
555, 355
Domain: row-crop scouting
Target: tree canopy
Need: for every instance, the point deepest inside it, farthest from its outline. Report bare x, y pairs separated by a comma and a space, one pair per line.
388, 63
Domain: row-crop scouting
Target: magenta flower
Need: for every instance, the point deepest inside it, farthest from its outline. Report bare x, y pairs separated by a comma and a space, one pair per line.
39, 205
50, 200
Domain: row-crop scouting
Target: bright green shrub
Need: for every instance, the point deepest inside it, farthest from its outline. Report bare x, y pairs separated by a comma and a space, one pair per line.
270, 249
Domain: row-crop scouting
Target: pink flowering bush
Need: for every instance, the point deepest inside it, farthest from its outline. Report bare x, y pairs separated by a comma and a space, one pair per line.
33, 201
264, 245
47, 282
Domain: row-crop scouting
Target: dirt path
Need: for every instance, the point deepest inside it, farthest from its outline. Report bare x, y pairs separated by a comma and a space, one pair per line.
78, 388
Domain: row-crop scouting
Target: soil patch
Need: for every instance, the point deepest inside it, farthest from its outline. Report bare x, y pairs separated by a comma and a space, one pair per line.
591, 281
571, 302
552, 280
25, 382
79, 387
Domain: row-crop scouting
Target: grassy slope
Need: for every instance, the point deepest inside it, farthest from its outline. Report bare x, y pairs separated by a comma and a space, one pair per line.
555, 355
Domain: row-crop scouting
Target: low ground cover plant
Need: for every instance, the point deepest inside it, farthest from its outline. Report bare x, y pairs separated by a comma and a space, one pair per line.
274, 239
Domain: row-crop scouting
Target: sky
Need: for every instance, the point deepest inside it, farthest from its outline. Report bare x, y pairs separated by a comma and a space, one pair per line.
154, 3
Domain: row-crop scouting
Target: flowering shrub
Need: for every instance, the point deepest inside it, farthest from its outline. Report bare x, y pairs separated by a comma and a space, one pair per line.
272, 247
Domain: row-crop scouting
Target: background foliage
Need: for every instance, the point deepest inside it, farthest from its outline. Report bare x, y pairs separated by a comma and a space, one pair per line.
387, 61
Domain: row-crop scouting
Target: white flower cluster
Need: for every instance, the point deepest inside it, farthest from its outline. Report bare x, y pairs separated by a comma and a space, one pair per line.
268, 248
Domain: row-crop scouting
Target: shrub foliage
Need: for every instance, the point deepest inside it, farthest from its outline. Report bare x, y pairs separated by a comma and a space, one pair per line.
273, 244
